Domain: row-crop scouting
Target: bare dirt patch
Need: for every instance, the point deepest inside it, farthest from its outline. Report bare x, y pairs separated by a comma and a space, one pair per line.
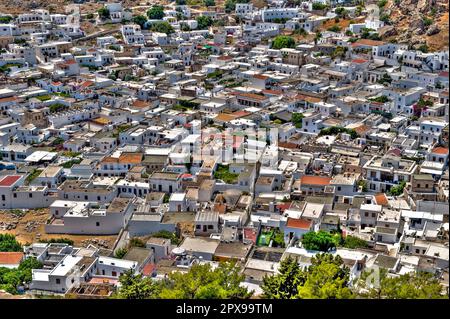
29, 227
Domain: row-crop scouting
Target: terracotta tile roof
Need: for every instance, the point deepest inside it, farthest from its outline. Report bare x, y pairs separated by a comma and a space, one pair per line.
252, 96
287, 145
140, 104
10, 258
260, 77
298, 223
68, 62
9, 180
103, 280
86, 84
440, 150
241, 113
110, 159
224, 117
359, 61
381, 199
101, 121
368, 42
315, 180
148, 269
310, 99
250, 234
272, 92
284, 206
224, 58
133, 158
8, 99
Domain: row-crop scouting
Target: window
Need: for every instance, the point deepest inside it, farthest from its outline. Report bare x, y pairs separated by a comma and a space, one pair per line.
373, 214
366, 214
58, 281
97, 224
210, 226
30, 195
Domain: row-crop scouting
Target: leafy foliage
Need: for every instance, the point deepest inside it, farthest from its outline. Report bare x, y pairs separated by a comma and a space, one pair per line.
326, 278
140, 20
168, 235
321, 240
334, 130
136, 242
204, 22
163, 27
283, 41
398, 189
319, 6
120, 253
380, 99
209, 3
155, 12
103, 13
136, 287
203, 282
58, 241
8, 242
353, 242
418, 285
10, 279
200, 282
285, 284
223, 173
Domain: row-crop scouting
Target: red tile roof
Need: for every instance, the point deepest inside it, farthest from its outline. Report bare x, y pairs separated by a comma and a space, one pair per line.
148, 269
250, 233
298, 223
359, 61
10, 258
368, 42
9, 180
440, 150
8, 99
381, 199
315, 180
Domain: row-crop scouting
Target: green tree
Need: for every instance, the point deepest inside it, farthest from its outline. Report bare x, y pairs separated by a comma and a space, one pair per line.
318, 6
180, 2
398, 189
120, 253
103, 13
155, 12
327, 278
297, 119
140, 19
341, 12
163, 27
202, 282
8, 242
136, 287
209, 3
353, 242
204, 22
284, 285
321, 240
283, 41
416, 285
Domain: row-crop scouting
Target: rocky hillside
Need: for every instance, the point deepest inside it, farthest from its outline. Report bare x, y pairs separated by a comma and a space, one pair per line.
417, 22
